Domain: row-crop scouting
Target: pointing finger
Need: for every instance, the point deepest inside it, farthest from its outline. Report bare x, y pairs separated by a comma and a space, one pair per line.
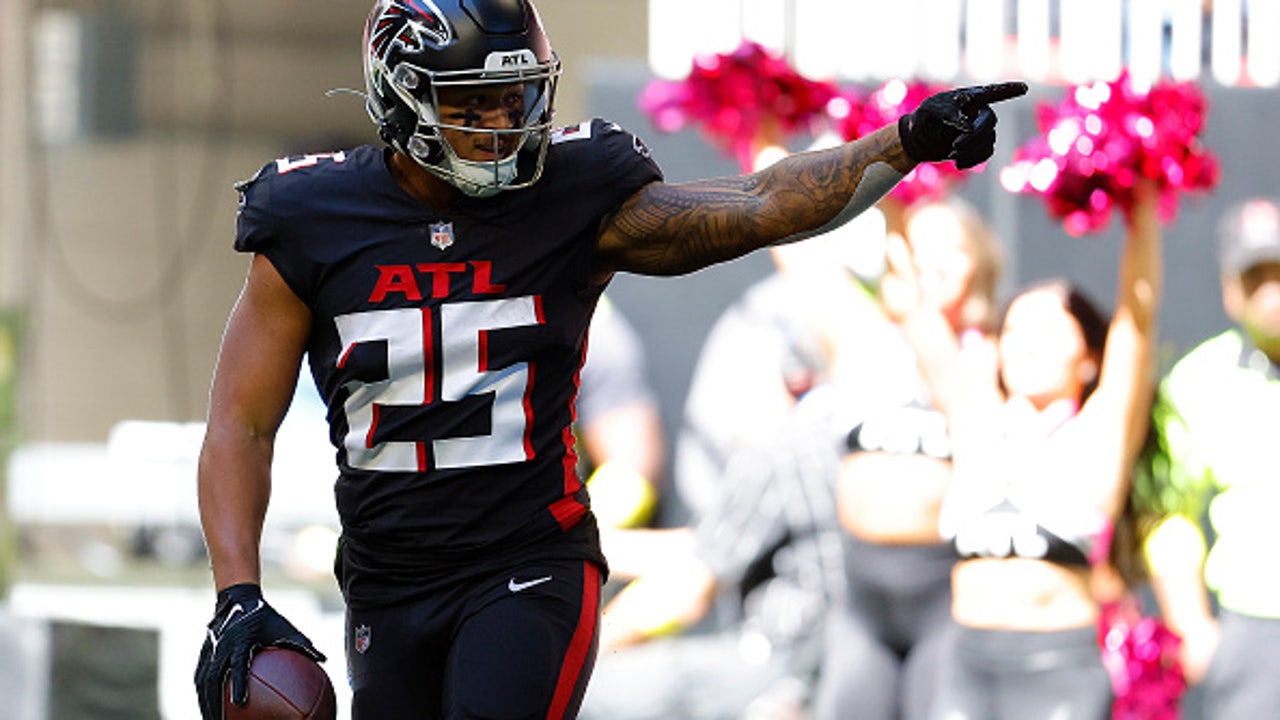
994, 93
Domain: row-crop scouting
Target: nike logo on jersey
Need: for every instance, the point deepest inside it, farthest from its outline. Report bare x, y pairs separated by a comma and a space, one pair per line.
516, 587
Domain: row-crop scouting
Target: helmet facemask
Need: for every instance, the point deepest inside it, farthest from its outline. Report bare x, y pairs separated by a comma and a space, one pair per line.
418, 90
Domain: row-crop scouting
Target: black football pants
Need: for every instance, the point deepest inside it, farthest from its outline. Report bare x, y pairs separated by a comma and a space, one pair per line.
514, 646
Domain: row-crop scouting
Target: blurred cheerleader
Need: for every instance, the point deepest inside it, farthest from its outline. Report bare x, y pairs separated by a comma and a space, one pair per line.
1045, 425
887, 634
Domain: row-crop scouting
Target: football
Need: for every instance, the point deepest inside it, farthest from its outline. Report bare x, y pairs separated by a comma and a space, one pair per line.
284, 685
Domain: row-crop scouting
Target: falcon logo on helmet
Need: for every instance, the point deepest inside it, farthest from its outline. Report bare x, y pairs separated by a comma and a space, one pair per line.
409, 25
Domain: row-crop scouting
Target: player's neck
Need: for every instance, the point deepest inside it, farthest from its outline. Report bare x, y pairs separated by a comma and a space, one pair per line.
419, 183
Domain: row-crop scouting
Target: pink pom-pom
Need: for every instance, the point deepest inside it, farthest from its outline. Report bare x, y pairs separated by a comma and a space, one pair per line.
1096, 145
1141, 655
883, 106
738, 100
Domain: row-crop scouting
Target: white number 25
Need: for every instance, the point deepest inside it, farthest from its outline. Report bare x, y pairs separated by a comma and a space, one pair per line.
460, 366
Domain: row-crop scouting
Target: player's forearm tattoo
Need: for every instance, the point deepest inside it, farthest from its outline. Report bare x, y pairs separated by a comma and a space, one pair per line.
685, 227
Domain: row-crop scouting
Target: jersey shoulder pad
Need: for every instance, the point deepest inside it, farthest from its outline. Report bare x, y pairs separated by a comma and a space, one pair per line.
605, 133
598, 151
303, 173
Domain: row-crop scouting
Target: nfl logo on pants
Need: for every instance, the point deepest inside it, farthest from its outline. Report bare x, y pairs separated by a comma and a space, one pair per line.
363, 637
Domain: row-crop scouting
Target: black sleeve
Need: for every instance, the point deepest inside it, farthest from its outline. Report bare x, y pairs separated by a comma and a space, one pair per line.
260, 229
254, 227
630, 162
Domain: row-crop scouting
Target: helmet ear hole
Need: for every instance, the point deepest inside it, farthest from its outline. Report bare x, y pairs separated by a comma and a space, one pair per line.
388, 132
427, 150
396, 125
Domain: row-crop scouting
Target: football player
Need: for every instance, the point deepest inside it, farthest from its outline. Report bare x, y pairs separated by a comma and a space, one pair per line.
441, 286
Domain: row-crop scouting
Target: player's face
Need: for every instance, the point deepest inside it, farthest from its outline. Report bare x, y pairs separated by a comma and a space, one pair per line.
466, 109
1042, 349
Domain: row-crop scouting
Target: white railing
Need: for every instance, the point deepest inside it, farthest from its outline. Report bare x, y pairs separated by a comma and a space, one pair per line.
1235, 42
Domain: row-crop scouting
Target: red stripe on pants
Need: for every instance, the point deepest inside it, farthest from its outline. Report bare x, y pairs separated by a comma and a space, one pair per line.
580, 645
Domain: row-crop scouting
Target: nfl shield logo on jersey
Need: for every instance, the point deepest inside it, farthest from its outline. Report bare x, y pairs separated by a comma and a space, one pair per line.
363, 638
442, 234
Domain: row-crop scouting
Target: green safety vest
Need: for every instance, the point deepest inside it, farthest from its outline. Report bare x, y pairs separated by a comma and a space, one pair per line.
1218, 418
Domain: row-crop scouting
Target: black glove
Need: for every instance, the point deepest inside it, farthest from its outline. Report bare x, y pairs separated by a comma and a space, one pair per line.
956, 125
242, 624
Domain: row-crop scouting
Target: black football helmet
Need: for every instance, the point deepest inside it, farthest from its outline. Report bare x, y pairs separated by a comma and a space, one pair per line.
412, 48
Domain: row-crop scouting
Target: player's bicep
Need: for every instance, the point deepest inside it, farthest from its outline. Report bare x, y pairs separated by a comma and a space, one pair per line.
629, 232
261, 352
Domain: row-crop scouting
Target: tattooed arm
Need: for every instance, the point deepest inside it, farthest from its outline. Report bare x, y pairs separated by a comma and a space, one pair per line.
667, 229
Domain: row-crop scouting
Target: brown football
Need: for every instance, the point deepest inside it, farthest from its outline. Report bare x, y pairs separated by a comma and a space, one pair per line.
284, 685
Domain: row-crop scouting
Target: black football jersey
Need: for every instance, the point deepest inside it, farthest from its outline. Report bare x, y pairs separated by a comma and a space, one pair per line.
447, 345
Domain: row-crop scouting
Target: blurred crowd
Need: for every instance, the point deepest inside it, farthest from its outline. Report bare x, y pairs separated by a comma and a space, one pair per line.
902, 496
